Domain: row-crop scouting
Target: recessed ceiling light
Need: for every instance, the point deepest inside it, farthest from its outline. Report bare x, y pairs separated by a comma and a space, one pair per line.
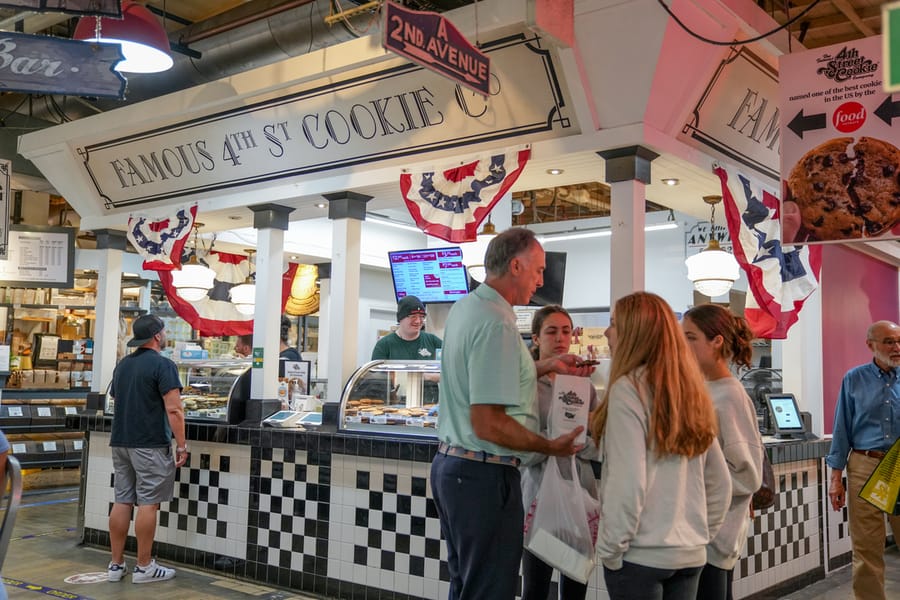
235, 217
294, 257
320, 205
555, 171
670, 181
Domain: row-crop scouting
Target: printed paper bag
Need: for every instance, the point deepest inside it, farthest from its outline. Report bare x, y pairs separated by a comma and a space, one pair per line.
570, 405
883, 486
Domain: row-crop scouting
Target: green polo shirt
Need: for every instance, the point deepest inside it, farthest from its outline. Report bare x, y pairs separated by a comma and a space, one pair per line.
484, 361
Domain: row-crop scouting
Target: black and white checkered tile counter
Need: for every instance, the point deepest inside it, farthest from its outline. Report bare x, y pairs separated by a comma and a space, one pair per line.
353, 517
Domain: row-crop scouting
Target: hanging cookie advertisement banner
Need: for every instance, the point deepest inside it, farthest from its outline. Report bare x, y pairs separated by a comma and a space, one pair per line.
840, 162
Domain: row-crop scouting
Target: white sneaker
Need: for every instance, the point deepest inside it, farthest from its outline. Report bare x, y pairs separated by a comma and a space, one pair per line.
116, 571
152, 572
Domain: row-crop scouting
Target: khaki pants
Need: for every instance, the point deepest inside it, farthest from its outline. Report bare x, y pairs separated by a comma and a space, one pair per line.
867, 531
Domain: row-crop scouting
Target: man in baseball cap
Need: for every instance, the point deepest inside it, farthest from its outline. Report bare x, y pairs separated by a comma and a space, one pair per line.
408, 342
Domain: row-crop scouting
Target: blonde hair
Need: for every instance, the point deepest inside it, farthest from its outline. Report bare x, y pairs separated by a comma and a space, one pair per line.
682, 416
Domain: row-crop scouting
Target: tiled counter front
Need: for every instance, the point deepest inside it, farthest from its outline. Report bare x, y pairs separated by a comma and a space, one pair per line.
352, 517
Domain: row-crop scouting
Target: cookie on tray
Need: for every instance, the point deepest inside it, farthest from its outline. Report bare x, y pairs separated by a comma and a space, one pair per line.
819, 183
876, 186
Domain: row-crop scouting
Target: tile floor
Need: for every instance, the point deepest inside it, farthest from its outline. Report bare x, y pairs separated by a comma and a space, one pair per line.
44, 552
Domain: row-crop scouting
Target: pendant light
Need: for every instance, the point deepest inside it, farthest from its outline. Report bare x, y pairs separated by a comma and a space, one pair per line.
712, 270
243, 296
193, 280
476, 250
144, 41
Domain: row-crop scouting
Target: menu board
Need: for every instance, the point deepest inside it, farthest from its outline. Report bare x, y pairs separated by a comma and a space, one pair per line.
43, 256
431, 274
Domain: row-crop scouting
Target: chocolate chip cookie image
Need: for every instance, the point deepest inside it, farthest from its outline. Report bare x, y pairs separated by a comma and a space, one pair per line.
846, 190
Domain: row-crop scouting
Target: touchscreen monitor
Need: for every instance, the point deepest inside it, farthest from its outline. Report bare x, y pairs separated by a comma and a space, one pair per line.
785, 415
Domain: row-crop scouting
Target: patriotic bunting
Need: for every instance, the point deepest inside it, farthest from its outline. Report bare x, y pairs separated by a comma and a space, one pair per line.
161, 242
215, 315
451, 204
781, 278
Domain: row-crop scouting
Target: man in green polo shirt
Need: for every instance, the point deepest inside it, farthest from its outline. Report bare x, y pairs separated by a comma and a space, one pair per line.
488, 421
409, 342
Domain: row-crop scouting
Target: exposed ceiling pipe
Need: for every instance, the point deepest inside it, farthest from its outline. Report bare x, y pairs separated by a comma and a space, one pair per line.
249, 36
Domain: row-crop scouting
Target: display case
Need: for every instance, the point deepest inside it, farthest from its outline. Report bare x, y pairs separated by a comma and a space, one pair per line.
208, 387
393, 397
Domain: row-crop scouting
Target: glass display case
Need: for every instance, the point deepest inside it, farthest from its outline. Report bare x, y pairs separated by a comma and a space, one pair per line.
208, 386
392, 396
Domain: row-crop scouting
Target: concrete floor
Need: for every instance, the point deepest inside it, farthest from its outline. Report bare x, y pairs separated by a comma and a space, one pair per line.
44, 552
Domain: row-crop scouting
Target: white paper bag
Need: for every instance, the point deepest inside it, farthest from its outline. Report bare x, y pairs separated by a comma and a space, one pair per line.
570, 406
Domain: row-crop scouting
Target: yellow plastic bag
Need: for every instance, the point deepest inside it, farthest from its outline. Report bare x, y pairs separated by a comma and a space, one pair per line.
883, 486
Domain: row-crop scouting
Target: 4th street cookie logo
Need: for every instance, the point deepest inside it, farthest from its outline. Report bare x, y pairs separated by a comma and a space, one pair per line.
846, 64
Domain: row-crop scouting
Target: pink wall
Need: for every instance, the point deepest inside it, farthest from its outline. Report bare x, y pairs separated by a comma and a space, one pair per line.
856, 291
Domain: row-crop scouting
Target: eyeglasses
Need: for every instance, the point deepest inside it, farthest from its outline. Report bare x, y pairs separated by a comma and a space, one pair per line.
889, 342
417, 316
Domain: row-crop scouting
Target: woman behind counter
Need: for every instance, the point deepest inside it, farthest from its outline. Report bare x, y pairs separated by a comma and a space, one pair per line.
717, 337
551, 335
665, 487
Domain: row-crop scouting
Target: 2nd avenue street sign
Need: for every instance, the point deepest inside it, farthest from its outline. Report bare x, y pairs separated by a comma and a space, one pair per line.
434, 42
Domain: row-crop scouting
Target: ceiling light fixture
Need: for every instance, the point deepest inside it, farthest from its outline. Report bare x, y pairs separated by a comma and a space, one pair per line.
555, 171
193, 280
243, 295
144, 42
476, 250
712, 270
582, 234
670, 181
321, 205
392, 223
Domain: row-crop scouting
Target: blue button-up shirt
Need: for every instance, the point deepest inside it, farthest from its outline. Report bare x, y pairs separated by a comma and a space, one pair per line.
867, 416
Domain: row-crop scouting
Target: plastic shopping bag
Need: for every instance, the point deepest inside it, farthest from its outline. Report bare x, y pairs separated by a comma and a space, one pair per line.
559, 533
883, 486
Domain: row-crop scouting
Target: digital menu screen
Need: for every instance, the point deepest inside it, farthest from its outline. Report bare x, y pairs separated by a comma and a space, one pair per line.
432, 274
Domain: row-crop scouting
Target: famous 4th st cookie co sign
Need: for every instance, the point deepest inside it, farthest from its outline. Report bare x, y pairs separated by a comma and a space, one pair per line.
428, 39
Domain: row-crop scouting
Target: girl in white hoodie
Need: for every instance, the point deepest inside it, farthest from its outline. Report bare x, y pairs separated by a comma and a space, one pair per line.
718, 338
665, 487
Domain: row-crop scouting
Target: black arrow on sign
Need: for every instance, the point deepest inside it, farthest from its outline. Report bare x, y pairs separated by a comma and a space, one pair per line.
888, 110
799, 124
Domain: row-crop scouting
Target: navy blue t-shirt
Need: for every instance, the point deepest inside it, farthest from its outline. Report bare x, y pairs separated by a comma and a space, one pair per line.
139, 383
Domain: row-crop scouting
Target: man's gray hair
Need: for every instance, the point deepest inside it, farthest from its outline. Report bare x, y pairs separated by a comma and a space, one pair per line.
505, 247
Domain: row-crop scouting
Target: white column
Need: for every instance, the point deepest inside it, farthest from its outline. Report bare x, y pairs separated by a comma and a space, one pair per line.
109, 254
106, 324
343, 306
324, 338
627, 240
267, 319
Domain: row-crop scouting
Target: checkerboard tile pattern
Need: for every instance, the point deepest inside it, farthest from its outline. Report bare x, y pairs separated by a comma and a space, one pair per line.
289, 510
837, 529
386, 526
210, 508
784, 541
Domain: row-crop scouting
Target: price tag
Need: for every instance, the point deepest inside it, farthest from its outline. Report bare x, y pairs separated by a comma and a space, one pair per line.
71, 410
44, 411
18, 448
15, 411
78, 444
49, 446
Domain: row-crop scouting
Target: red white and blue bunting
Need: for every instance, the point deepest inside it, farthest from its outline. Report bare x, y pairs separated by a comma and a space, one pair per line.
780, 277
451, 204
161, 241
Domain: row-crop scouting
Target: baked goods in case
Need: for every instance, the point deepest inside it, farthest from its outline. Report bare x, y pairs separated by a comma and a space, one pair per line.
846, 190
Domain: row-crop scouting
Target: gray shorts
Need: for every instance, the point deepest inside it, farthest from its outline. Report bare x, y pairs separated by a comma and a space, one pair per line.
143, 475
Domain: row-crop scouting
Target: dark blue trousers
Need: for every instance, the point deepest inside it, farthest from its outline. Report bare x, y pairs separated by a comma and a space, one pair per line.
480, 507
